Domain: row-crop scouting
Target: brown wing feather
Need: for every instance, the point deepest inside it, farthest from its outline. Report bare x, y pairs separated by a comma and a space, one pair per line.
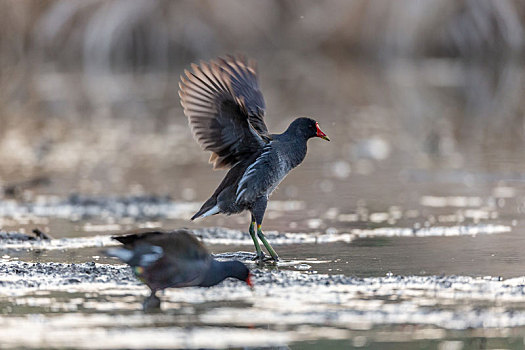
225, 108
180, 243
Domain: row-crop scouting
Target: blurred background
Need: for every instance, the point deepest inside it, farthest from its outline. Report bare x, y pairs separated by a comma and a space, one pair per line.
89, 104
424, 102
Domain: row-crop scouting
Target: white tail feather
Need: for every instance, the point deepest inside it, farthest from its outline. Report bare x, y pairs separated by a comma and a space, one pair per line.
210, 212
123, 254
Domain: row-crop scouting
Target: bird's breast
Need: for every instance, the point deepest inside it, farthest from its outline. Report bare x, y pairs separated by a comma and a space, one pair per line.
282, 167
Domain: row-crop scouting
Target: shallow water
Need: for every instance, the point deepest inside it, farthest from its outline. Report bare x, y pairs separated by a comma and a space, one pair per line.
360, 282
407, 230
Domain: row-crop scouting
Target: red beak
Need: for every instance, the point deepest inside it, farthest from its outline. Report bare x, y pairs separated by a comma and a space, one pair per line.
320, 133
249, 281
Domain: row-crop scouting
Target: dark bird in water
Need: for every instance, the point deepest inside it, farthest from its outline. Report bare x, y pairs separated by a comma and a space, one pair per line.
174, 259
225, 109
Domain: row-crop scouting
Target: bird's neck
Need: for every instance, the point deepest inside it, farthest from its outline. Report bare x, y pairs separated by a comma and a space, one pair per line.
292, 140
294, 133
218, 271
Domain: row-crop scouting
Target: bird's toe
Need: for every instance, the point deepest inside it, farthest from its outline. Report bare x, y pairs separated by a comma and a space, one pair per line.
259, 257
270, 258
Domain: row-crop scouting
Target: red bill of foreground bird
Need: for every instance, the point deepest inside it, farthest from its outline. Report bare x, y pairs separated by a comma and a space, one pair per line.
174, 259
225, 109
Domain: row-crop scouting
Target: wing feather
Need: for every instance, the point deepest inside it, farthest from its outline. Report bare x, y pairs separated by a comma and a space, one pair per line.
225, 108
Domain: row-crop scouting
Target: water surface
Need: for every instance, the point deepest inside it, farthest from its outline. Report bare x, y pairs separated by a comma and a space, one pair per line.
407, 230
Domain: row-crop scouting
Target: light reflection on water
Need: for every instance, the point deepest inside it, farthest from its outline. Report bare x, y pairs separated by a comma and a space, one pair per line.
424, 176
78, 305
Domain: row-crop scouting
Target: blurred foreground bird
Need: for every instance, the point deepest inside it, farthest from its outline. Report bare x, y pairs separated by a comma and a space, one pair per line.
225, 109
173, 260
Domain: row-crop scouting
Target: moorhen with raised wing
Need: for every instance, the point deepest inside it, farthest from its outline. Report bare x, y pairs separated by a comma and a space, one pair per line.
225, 109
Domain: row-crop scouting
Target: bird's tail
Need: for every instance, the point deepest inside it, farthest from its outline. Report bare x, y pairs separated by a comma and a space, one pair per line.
121, 253
143, 255
207, 209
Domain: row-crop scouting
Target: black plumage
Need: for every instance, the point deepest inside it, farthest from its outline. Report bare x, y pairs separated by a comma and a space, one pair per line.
225, 109
173, 260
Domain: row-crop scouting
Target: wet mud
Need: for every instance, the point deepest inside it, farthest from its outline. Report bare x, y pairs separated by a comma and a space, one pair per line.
344, 279
103, 302
406, 231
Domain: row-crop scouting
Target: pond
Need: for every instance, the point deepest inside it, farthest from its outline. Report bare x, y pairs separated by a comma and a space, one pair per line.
407, 230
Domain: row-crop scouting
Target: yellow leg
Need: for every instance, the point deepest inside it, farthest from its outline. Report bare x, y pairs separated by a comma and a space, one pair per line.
260, 254
266, 244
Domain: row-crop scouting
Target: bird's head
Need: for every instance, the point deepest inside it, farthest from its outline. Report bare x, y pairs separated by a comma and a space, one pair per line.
241, 272
308, 128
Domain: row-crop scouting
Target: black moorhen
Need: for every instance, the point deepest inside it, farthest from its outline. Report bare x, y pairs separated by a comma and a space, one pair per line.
225, 109
173, 260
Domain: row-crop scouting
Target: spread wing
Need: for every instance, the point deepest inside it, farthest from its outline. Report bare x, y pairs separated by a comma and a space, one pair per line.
225, 109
